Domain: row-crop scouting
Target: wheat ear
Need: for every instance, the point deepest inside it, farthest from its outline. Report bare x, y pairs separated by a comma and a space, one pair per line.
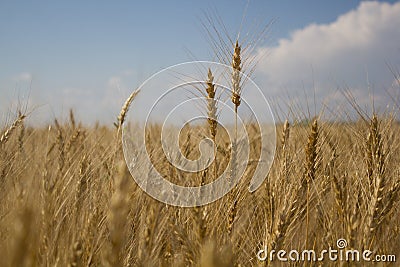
6, 135
122, 115
376, 174
236, 68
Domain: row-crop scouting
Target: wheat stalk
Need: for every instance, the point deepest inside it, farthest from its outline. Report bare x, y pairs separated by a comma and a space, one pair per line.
122, 115
117, 216
311, 166
311, 153
235, 98
76, 255
72, 119
376, 175
6, 135
212, 116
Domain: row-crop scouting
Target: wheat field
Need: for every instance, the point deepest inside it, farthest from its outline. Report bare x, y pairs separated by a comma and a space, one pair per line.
67, 198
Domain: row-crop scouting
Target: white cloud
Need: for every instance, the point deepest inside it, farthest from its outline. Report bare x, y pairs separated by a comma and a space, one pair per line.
351, 51
119, 87
114, 82
118, 81
128, 72
23, 77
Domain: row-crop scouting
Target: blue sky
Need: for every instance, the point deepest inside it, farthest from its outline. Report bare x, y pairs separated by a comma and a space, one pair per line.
89, 55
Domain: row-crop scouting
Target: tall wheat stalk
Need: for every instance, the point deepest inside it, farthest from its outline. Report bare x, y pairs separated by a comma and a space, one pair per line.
235, 98
212, 116
377, 180
311, 167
